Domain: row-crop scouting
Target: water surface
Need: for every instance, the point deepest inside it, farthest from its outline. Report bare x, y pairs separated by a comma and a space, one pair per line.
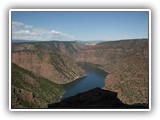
95, 78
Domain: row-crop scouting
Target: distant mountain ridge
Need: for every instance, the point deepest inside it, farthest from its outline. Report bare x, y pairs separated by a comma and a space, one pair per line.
67, 47
23, 41
33, 41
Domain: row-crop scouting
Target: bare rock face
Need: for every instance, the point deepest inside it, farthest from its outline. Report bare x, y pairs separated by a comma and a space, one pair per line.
56, 67
127, 63
25, 95
96, 98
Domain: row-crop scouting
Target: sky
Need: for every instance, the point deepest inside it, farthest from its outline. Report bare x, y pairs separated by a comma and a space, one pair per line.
69, 26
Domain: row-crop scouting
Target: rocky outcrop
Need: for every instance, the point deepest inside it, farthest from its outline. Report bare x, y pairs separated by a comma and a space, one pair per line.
23, 94
96, 98
56, 67
127, 63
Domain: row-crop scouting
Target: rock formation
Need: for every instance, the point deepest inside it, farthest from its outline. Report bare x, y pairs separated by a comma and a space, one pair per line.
38, 67
127, 63
56, 67
96, 98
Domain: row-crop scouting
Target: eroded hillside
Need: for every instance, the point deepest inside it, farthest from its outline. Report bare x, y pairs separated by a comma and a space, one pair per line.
37, 71
127, 63
32, 91
56, 67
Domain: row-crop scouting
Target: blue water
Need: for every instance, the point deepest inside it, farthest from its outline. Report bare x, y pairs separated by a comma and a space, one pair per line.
95, 78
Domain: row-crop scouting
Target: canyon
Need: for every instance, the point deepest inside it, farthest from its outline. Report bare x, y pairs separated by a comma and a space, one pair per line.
126, 63
48, 67
47, 61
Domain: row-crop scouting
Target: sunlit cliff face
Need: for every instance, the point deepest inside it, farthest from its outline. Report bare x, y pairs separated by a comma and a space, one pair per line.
127, 65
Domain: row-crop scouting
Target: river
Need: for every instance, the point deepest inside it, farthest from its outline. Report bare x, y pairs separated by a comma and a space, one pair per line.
95, 78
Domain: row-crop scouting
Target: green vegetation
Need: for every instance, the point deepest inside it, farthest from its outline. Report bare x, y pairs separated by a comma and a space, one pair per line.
41, 90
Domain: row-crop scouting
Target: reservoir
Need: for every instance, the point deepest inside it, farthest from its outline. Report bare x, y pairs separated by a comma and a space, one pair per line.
95, 78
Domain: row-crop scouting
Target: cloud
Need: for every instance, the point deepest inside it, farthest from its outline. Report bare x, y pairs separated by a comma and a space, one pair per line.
28, 26
22, 31
17, 24
19, 32
56, 32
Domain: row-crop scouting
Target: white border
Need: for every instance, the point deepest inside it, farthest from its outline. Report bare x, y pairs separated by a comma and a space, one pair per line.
80, 10
150, 77
10, 41
147, 10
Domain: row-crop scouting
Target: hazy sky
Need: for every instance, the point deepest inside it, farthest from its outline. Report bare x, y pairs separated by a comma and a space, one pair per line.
79, 25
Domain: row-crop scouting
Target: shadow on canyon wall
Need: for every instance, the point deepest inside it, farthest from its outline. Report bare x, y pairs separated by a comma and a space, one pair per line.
96, 98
